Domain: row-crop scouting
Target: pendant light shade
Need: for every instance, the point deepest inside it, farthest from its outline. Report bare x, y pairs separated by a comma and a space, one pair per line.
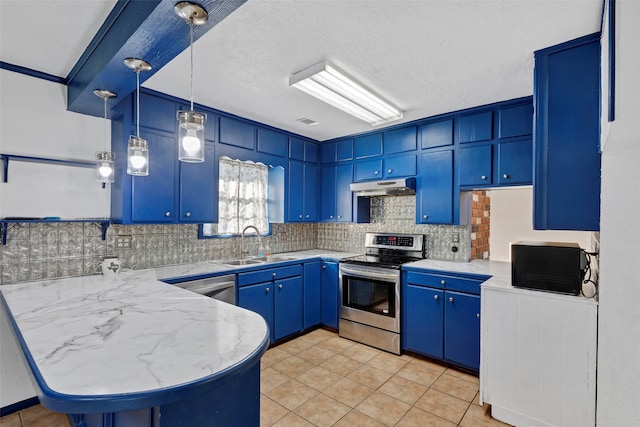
105, 172
137, 148
191, 124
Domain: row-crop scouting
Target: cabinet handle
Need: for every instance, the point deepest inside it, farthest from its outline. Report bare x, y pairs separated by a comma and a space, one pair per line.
388, 170
300, 216
188, 214
425, 216
324, 267
477, 315
280, 286
443, 282
505, 176
273, 274
483, 177
167, 213
376, 172
266, 290
450, 299
307, 215
435, 297
330, 216
339, 216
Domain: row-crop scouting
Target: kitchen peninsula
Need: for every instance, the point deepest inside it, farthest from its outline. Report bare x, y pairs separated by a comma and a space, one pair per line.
130, 350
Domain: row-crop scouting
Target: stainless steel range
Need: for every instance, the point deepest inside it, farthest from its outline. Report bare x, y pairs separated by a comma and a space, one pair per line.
370, 289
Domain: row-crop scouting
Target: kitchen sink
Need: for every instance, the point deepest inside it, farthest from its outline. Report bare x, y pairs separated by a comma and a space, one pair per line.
273, 259
242, 262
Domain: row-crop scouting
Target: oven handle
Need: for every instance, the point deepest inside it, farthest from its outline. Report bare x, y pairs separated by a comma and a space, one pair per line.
370, 274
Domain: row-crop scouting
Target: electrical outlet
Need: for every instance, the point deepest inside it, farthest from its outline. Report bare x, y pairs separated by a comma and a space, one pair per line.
123, 242
455, 238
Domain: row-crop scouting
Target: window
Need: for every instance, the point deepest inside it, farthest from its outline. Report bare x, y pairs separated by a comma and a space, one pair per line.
243, 196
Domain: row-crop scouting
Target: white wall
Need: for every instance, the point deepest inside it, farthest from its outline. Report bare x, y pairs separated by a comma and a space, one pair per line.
35, 123
619, 313
511, 221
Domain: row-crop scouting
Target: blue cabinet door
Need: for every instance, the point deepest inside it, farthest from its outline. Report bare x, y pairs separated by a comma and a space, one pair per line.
156, 113
329, 193
368, 169
330, 298
462, 329
436, 134
566, 187
475, 165
310, 193
368, 146
402, 166
288, 306
423, 317
475, 127
237, 133
311, 278
259, 298
515, 162
153, 196
400, 140
295, 212
434, 190
199, 189
344, 150
344, 197
271, 142
516, 121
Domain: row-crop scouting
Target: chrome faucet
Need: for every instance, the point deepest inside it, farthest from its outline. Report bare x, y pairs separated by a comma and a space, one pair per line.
243, 251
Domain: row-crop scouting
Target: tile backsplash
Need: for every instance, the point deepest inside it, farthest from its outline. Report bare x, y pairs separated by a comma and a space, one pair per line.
37, 251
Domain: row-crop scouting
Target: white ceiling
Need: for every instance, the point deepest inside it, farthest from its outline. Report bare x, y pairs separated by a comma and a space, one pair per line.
427, 57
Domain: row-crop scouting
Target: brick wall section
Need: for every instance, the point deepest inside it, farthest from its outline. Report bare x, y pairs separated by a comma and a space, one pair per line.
480, 224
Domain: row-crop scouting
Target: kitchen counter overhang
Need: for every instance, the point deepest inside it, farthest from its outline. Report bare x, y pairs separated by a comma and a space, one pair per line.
98, 344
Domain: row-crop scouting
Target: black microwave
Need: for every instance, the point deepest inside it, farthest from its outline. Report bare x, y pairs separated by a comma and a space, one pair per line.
548, 266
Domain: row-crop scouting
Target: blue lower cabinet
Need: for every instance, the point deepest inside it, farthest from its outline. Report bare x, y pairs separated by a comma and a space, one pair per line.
259, 298
439, 321
277, 296
329, 294
462, 329
423, 320
311, 275
288, 307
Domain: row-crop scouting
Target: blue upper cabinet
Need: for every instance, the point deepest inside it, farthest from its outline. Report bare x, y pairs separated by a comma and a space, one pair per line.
436, 134
566, 183
434, 202
475, 127
475, 165
515, 162
387, 168
337, 151
156, 113
237, 133
306, 151
302, 191
400, 140
198, 184
368, 146
515, 121
271, 142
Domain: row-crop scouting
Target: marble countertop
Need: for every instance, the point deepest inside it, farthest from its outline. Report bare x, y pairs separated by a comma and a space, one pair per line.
97, 336
499, 271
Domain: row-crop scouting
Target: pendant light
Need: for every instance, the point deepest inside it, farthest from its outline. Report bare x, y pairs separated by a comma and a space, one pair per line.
137, 149
191, 124
104, 164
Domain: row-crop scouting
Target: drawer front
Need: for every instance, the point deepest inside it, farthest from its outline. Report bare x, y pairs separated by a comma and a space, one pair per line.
440, 281
269, 274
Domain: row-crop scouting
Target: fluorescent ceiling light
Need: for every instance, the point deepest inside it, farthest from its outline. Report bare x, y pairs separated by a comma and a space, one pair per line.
326, 83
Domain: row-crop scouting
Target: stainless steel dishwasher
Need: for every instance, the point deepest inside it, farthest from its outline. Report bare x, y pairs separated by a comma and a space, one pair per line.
222, 288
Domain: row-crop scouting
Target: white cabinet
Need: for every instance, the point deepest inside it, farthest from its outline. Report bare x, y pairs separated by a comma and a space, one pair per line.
538, 357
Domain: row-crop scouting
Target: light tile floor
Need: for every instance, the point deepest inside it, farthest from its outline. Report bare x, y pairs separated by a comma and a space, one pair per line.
322, 380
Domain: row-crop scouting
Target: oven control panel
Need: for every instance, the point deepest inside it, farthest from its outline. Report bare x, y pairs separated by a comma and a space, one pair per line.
405, 242
402, 241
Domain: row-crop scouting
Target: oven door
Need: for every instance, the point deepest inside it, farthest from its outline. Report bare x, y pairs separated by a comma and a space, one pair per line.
371, 296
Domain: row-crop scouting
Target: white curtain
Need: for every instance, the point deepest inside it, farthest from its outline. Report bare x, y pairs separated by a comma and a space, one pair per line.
243, 194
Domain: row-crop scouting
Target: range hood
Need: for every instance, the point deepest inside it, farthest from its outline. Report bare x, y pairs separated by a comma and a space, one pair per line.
393, 187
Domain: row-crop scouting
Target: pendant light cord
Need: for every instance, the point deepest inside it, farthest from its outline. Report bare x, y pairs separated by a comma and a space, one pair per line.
138, 102
106, 130
191, 52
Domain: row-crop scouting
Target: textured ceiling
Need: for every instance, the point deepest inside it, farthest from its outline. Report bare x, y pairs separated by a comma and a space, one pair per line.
49, 35
427, 57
